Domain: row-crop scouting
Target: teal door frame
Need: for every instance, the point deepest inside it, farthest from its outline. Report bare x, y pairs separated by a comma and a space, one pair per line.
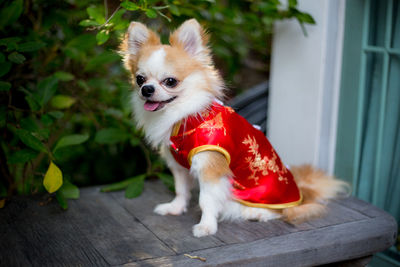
361, 19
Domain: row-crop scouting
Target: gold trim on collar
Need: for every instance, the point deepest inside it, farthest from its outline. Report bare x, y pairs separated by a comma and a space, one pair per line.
198, 149
175, 128
271, 206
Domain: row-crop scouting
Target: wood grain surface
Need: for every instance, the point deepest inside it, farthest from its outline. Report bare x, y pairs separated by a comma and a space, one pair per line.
106, 229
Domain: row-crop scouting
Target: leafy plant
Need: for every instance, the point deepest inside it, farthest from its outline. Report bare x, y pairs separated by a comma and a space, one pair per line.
65, 113
241, 31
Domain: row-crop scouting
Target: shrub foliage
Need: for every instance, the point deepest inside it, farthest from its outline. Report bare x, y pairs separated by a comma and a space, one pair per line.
65, 113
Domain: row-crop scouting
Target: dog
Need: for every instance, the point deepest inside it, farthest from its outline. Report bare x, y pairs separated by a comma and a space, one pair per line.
240, 176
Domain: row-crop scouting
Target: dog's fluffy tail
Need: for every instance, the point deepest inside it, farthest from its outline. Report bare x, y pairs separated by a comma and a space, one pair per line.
316, 188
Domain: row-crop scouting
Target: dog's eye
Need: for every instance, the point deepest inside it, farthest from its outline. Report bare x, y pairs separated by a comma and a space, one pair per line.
140, 80
170, 82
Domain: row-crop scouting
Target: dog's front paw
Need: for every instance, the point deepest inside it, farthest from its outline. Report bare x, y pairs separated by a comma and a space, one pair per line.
202, 229
172, 208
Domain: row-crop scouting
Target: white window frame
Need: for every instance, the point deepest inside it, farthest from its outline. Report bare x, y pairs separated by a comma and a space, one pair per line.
305, 85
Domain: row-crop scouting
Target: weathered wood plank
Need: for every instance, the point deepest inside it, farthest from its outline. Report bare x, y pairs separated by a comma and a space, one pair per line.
360, 262
360, 206
228, 232
337, 214
308, 248
43, 236
175, 231
247, 231
12, 244
102, 229
115, 233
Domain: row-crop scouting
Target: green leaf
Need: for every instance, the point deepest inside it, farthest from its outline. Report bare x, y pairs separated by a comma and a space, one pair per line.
10, 42
168, 180
16, 57
121, 185
46, 89
128, 5
64, 76
5, 86
31, 141
29, 124
4, 68
88, 23
62, 201
47, 120
53, 179
96, 13
62, 101
77, 47
10, 13
117, 20
56, 114
103, 58
174, 10
135, 188
151, 13
135, 141
32, 102
71, 140
83, 42
30, 46
82, 84
111, 136
102, 36
305, 18
69, 190
22, 156
292, 3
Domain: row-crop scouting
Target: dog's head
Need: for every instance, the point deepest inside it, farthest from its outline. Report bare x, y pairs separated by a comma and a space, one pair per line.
178, 76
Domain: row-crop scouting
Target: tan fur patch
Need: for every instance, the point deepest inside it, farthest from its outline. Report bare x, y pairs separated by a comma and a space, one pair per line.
316, 186
130, 61
216, 167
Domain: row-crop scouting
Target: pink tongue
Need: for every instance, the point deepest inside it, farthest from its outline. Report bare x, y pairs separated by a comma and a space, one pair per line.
151, 106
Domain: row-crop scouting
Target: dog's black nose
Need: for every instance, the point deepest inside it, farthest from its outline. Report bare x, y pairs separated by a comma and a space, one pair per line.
148, 90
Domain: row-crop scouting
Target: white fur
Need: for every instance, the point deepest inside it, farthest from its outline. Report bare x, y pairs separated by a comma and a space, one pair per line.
138, 35
158, 125
191, 40
154, 66
183, 185
193, 96
155, 70
189, 35
213, 197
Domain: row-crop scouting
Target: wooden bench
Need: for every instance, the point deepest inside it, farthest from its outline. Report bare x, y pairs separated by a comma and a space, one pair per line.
106, 229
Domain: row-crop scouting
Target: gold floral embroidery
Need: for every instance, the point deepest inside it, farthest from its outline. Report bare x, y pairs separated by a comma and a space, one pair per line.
215, 123
189, 132
257, 163
238, 185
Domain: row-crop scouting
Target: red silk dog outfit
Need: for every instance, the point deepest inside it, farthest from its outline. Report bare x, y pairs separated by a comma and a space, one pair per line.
260, 178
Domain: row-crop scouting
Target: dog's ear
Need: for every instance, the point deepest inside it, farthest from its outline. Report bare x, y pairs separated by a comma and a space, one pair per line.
135, 38
192, 38
139, 35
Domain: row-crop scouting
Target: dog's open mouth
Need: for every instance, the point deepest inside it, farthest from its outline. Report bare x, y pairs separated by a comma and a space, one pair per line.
154, 105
